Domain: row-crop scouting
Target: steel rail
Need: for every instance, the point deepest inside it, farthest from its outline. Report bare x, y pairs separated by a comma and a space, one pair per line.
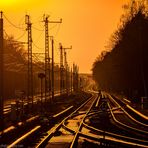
110, 140
35, 129
58, 126
98, 100
7, 107
125, 140
112, 135
137, 112
124, 125
80, 125
127, 112
14, 144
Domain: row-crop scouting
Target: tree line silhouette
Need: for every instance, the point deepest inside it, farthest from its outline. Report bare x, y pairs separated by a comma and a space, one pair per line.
124, 68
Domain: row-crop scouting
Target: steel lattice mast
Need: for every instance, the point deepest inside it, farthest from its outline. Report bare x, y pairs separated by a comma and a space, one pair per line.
47, 61
52, 43
66, 69
30, 70
47, 57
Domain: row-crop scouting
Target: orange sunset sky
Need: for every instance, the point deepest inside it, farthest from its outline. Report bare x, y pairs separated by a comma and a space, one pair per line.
87, 25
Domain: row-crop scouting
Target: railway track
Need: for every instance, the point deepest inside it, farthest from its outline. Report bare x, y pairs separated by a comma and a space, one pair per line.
39, 132
130, 111
71, 132
95, 122
7, 106
134, 130
126, 114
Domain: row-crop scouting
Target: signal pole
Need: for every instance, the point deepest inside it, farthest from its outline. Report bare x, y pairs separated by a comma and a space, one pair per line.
30, 71
1, 73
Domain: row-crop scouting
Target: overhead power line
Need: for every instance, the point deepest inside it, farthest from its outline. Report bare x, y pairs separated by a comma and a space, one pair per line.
16, 40
37, 46
12, 23
37, 29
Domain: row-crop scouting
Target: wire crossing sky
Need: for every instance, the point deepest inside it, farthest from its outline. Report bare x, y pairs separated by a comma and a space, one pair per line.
86, 25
